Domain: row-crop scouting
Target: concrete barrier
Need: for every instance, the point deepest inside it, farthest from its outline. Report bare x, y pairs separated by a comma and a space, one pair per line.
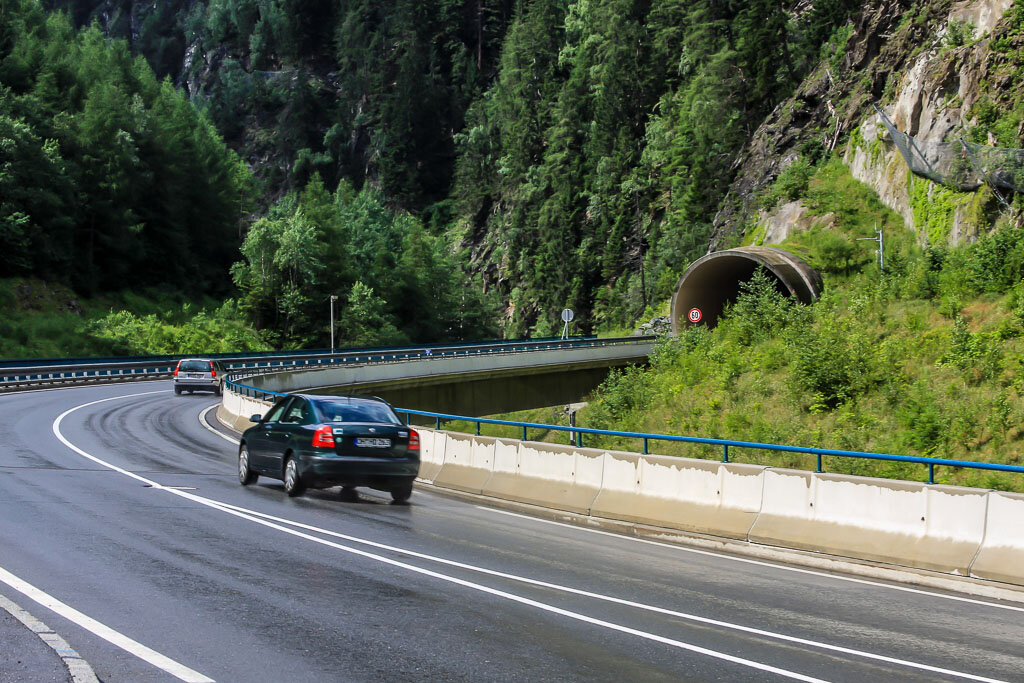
699, 496
1001, 557
898, 522
942, 528
431, 453
235, 410
549, 475
468, 461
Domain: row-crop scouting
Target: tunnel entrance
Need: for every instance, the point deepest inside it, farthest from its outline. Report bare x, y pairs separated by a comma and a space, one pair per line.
714, 280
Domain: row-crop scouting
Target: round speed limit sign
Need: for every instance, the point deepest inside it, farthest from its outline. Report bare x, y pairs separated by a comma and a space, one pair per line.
694, 315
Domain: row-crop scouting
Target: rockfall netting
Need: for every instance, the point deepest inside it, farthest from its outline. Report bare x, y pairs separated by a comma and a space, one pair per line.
961, 165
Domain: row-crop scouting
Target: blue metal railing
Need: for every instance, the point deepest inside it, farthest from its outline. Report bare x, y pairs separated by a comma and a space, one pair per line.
645, 438
578, 433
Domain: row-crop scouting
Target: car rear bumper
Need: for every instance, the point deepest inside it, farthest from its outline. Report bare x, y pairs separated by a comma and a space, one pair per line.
197, 383
355, 471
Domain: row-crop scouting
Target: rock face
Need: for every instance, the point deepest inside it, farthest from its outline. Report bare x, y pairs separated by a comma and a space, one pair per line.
933, 103
658, 326
931, 93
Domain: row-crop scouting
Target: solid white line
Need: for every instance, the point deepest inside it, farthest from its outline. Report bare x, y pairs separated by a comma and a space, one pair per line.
606, 598
202, 421
419, 570
79, 669
108, 634
760, 563
260, 518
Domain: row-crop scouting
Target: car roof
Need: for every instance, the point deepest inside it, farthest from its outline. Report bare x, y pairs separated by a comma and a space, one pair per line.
339, 398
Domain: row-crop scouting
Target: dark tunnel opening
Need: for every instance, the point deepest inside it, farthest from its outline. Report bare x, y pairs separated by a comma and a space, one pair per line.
714, 280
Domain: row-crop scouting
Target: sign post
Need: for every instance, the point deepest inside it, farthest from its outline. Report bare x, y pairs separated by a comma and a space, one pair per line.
567, 316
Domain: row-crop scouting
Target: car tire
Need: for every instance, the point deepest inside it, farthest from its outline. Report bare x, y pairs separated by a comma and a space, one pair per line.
218, 391
293, 485
246, 475
401, 494
177, 391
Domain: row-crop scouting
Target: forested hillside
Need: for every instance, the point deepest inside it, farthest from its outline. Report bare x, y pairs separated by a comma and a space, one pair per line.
447, 168
575, 152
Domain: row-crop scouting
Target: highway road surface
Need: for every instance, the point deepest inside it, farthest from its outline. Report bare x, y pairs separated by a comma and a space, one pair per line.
123, 527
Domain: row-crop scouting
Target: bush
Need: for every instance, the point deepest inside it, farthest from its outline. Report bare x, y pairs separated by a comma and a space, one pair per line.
831, 363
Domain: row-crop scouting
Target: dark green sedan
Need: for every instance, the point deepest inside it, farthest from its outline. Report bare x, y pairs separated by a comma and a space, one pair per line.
323, 441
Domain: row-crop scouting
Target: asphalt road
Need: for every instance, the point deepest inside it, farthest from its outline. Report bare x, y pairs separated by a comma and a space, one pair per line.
121, 512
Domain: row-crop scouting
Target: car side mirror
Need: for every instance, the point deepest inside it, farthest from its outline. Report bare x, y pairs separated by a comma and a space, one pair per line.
256, 418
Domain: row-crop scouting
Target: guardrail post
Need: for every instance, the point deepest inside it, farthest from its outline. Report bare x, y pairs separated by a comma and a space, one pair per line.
645, 445
931, 473
725, 453
579, 440
437, 422
478, 427
524, 432
407, 418
819, 470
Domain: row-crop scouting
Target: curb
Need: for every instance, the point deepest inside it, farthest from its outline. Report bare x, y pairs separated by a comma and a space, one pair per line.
79, 669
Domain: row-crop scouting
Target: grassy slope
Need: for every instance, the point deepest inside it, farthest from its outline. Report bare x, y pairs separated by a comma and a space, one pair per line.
879, 364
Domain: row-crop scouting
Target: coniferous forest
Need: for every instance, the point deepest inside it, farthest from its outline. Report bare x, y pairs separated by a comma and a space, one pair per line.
448, 168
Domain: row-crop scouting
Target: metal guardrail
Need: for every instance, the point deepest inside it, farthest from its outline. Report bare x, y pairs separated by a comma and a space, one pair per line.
578, 433
77, 372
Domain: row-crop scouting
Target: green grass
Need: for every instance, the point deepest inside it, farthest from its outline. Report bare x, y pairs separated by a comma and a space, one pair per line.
43, 320
926, 359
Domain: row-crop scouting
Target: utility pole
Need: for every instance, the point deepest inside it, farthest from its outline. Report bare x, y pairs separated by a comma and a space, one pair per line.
332, 299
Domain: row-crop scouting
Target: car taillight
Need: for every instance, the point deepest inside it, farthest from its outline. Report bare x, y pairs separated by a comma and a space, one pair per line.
323, 437
414, 440
213, 372
176, 368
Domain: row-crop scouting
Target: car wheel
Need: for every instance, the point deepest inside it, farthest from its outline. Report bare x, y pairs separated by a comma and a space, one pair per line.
349, 493
246, 475
293, 485
218, 391
402, 494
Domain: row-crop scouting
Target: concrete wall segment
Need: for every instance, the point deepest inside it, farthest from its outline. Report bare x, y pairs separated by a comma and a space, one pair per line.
550, 475
1001, 556
468, 462
908, 523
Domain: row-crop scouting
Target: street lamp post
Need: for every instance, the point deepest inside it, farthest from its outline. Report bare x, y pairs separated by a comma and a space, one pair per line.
332, 299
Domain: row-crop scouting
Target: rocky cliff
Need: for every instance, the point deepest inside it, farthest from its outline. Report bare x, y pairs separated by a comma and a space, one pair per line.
937, 69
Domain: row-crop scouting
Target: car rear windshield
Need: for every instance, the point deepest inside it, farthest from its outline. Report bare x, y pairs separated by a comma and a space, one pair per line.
194, 366
362, 411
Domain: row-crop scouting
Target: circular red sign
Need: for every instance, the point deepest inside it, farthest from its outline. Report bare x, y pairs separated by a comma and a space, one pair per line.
694, 315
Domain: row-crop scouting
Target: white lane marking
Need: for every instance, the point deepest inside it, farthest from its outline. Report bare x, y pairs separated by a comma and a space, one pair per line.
426, 572
202, 421
260, 518
760, 563
108, 634
79, 669
709, 553
605, 598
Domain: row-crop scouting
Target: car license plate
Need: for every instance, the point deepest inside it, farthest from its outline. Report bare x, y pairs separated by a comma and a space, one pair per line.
194, 375
373, 443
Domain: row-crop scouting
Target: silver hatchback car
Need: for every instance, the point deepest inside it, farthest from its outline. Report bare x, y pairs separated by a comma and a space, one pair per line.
199, 374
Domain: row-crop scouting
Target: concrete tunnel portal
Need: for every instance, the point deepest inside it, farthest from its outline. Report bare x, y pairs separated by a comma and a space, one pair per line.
714, 280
